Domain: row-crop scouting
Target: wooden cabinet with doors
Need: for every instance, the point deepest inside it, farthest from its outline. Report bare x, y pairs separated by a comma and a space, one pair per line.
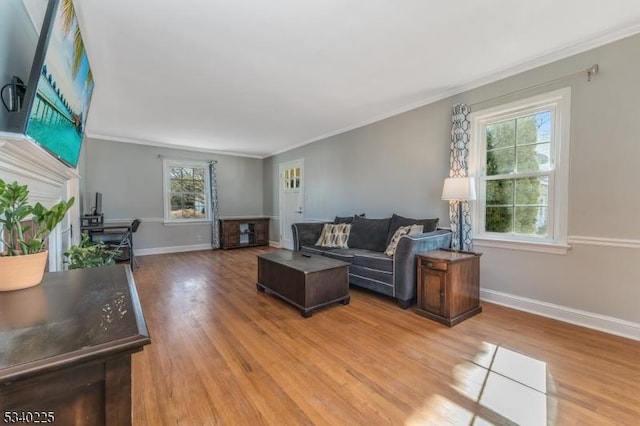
244, 232
448, 285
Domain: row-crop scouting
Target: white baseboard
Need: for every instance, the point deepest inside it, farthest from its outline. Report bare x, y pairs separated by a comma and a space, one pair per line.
179, 249
628, 329
174, 249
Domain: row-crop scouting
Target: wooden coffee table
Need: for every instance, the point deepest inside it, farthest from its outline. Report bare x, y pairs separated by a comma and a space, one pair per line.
308, 283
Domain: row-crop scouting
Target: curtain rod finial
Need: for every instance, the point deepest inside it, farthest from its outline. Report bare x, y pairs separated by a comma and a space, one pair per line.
592, 70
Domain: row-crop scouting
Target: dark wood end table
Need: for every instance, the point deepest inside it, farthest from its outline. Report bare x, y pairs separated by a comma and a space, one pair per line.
448, 285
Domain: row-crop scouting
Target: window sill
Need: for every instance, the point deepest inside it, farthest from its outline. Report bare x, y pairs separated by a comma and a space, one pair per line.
522, 245
187, 222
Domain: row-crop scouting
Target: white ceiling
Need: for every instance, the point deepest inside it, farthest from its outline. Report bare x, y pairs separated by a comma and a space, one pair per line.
255, 77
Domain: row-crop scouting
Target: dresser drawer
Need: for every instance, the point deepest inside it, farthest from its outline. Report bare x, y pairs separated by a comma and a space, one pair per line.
434, 264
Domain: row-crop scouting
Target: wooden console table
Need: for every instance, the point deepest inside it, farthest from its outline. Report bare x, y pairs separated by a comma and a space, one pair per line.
66, 345
448, 285
244, 232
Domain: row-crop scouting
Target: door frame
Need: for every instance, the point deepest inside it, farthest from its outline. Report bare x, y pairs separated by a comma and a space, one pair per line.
281, 168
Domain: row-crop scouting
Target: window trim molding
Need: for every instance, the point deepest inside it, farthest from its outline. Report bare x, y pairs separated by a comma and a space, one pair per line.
540, 247
560, 101
166, 199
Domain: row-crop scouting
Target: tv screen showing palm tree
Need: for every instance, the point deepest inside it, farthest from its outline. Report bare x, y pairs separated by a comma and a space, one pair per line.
58, 113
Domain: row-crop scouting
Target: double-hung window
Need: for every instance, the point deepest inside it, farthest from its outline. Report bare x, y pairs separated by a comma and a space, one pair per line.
522, 165
186, 191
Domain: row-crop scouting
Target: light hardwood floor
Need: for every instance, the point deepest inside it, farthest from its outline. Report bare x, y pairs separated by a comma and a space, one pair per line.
223, 353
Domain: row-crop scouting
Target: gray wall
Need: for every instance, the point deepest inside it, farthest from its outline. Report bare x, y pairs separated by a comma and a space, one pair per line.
600, 274
18, 40
393, 166
129, 176
398, 165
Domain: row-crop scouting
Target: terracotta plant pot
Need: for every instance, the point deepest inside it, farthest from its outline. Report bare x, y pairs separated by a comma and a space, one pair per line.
18, 272
24, 308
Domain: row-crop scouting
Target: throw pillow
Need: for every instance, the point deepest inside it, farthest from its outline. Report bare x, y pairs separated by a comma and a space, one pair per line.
345, 219
429, 225
391, 248
416, 229
369, 234
334, 235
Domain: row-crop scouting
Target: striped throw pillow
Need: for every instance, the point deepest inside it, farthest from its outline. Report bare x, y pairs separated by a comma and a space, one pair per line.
334, 235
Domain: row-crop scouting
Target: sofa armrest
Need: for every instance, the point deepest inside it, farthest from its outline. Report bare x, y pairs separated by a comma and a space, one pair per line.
404, 259
306, 233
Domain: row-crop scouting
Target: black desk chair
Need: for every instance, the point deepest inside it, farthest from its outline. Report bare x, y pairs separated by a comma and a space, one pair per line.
124, 241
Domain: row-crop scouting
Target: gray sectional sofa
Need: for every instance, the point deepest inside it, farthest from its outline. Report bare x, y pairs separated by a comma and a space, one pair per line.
370, 267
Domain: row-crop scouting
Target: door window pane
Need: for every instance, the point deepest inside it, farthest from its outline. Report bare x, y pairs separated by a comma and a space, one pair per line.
292, 178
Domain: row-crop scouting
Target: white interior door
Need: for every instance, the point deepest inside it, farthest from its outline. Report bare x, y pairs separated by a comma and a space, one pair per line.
291, 199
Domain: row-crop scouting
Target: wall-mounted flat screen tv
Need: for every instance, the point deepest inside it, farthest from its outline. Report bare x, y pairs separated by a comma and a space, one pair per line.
59, 88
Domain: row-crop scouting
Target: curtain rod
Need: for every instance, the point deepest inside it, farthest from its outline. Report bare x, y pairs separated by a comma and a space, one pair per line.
591, 71
163, 157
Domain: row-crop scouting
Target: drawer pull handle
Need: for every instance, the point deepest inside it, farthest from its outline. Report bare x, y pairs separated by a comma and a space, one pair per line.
441, 293
429, 265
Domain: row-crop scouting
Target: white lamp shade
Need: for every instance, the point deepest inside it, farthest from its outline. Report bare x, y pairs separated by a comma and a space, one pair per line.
459, 188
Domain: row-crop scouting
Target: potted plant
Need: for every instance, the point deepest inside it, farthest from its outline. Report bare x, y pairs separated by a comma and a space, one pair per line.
89, 255
23, 261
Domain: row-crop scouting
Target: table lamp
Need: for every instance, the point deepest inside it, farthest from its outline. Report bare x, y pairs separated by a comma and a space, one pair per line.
459, 189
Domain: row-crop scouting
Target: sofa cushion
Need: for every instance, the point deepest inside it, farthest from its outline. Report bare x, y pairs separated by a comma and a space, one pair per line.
370, 234
373, 260
315, 249
334, 235
361, 274
346, 255
428, 225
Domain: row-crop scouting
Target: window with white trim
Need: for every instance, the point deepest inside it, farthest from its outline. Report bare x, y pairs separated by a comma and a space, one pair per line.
522, 168
186, 191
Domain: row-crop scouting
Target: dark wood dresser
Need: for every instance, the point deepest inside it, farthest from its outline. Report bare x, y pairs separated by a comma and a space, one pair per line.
236, 233
66, 345
448, 285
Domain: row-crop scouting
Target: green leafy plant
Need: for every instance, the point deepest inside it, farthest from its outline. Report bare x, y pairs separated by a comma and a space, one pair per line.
89, 255
21, 239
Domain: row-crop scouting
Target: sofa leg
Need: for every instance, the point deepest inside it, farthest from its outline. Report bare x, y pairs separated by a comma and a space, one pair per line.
404, 304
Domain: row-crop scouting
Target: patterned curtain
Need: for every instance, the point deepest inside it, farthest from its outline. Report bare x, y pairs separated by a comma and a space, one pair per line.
213, 188
458, 168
